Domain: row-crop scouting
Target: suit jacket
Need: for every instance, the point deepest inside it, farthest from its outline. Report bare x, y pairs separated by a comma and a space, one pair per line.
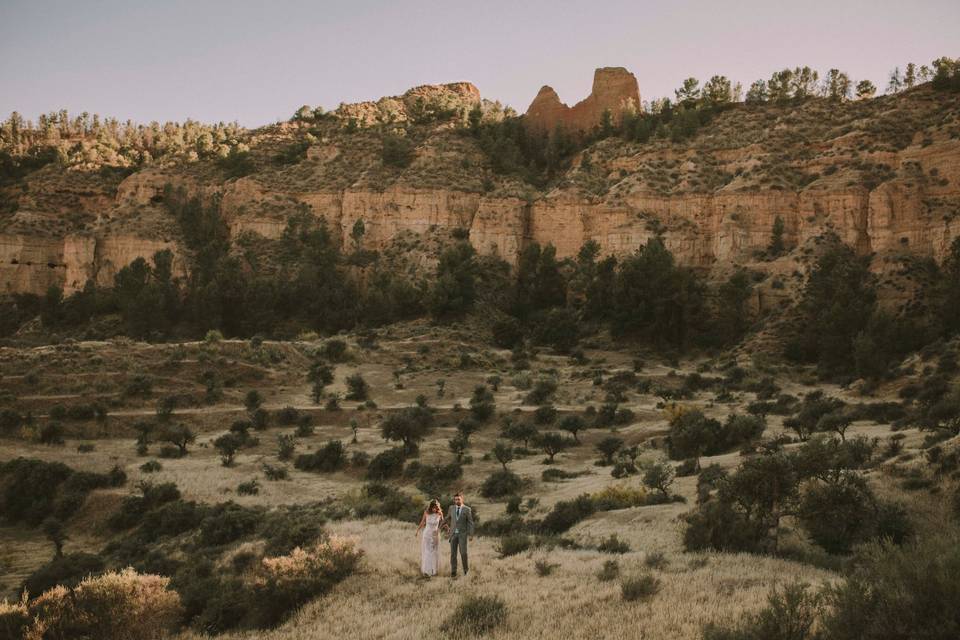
463, 524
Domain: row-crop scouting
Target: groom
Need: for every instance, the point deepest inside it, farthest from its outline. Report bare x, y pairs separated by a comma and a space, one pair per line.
460, 522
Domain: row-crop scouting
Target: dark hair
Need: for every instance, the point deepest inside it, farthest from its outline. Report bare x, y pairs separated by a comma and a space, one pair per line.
458, 493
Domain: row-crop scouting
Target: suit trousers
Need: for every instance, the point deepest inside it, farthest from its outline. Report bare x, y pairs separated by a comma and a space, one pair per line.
458, 541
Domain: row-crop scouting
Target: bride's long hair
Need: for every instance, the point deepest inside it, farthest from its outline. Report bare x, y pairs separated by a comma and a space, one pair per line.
435, 503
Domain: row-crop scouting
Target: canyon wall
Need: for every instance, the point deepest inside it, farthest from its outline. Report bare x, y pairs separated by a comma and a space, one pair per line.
702, 230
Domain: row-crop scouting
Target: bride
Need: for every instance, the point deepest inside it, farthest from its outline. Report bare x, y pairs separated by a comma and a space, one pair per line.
430, 543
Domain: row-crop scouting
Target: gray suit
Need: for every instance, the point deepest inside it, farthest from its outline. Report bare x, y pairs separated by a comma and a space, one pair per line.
460, 527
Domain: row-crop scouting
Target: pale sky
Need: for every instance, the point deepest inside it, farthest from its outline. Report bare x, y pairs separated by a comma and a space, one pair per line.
257, 62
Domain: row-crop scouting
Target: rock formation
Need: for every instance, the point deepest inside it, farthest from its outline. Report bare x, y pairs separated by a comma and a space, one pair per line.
714, 199
614, 89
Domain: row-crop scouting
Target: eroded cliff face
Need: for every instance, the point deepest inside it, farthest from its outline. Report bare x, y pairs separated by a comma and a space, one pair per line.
614, 89
715, 202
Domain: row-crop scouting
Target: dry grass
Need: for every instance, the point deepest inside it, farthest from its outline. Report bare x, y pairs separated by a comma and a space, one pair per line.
387, 600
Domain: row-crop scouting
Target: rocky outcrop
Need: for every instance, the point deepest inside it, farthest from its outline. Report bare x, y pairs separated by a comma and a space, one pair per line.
414, 104
31, 264
614, 89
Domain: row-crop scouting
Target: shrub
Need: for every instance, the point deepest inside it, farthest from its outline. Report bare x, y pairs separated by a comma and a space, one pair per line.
613, 544
609, 571
544, 568
386, 464
656, 560
789, 615
514, 543
435, 479
275, 472
32, 490
716, 525
113, 606
659, 476
567, 513
327, 459
556, 475
908, 591
408, 426
248, 488
51, 433
228, 445
476, 615
482, 405
838, 514
639, 588
67, 570
545, 414
608, 447
507, 333
151, 466
384, 500
288, 581
614, 497
287, 416
227, 522
542, 391
357, 388
501, 483
286, 445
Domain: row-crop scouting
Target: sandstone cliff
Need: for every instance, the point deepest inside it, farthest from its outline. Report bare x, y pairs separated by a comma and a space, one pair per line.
819, 167
614, 89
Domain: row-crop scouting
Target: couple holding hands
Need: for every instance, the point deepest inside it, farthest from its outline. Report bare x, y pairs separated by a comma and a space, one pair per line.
458, 523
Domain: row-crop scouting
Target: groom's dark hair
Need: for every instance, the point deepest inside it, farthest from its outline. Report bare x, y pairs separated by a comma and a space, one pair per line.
458, 493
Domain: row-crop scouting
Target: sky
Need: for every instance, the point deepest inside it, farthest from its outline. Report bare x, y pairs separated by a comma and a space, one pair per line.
257, 62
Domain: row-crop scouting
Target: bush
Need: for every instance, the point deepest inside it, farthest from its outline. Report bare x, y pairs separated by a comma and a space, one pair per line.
51, 433
613, 544
278, 472
789, 615
609, 571
898, 592
501, 483
290, 580
507, 333
514, 543
542, 391
32, 490
288, 416
614, 497
476, 615
397, 151
567, 513
113, 606
227, 522
357, 388
248, 488
67, 570
435, 479
639, 588
716, 525
228, 445
151, 466
545, 414
386, 464
327, 459
556, 475
544, 568
659, 476
838, 514
384, 500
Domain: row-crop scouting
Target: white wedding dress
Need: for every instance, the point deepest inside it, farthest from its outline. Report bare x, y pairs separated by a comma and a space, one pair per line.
430, 546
